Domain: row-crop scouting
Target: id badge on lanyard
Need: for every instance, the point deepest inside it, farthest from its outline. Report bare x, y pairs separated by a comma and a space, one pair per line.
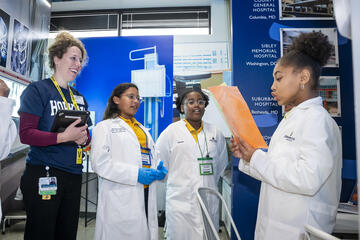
205, 163
47, 186
79, 155
206, 166
146, 156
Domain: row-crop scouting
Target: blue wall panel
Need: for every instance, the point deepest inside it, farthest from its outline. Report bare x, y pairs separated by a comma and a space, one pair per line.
109, 65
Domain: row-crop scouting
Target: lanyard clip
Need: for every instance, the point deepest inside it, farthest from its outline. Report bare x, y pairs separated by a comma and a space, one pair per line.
47, 171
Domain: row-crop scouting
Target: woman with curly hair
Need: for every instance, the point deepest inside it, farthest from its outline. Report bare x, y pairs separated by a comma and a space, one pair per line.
301, 171
55, 158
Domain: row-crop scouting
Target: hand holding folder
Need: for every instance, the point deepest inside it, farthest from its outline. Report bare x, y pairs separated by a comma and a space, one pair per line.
237, 115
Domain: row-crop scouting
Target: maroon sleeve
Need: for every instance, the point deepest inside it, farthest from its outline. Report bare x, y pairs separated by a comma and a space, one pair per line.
29, 134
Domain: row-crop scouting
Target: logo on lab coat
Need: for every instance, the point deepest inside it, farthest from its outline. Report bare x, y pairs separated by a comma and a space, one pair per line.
213, 140
118, 130
290, 137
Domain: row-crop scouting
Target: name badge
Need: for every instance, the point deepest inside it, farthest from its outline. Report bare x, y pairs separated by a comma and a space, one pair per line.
206, 169
79, 156
47, 186
206, 166
146, 159
79, 99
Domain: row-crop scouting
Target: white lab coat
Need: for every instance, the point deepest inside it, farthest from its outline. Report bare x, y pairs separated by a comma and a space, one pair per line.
8, 130
300, 174
116, 158
179, 152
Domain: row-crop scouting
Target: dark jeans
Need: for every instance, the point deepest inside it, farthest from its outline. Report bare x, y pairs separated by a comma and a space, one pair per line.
58, 217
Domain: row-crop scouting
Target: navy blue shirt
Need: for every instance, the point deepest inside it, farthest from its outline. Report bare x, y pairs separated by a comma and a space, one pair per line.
42, 99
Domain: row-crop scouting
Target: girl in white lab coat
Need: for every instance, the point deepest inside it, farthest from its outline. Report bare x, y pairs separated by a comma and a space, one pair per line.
301, 171
124, 157
8, 129
195, 154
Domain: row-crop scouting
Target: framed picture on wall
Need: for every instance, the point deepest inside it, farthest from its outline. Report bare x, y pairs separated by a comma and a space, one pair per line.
329, 90
201, 57
306, 10
4, 37
288, 34
20, 48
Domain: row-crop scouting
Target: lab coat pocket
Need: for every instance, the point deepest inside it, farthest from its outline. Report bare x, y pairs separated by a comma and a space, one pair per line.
268, 229
288, 148
179, 144
212, 145
178, 199
122, 204
322, 214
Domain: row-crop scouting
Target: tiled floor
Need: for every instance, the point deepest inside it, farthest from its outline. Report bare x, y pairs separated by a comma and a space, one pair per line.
16, 231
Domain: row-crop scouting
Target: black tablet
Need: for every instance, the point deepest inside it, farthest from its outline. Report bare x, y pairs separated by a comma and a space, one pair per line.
64, 118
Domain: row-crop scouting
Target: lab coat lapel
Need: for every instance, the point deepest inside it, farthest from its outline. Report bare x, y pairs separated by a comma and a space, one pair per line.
150, 139
294, 113
189, 138
123, 124
310, 102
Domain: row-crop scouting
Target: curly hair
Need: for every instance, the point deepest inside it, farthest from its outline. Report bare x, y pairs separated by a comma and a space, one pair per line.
309, 50
63, 41
180, 100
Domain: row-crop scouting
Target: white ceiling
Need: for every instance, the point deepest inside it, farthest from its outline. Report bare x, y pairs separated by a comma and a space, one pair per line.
120, 4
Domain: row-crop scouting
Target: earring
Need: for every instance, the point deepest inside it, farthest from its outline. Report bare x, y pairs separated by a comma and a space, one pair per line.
302, 86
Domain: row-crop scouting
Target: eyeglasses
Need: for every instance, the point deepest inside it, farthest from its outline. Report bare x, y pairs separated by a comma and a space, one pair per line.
134, 97
200, 102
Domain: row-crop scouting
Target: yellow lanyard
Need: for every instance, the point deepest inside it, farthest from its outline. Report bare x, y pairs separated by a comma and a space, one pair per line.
62, 95
79, 149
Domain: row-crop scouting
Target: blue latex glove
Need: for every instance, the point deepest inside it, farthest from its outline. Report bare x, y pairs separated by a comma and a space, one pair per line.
161, 171
147, 175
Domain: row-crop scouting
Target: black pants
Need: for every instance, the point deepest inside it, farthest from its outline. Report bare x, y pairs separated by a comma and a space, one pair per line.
146, 198
58, 217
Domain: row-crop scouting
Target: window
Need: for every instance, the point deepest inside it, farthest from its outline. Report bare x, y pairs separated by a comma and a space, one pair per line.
183, 21
135, 22
86, 24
